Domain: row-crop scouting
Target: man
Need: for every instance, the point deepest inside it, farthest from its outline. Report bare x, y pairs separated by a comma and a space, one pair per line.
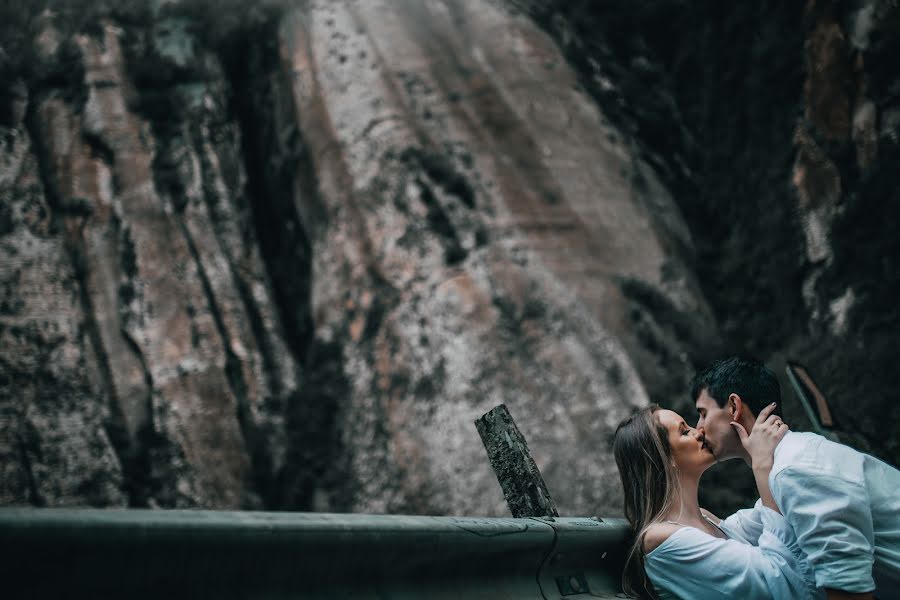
844, 505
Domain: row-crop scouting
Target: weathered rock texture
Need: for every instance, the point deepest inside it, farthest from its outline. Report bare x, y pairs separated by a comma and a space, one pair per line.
283, 256
143, 357
775, 127
476, 237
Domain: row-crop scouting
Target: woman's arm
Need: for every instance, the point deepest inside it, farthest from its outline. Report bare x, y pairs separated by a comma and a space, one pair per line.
760, 444
761, 475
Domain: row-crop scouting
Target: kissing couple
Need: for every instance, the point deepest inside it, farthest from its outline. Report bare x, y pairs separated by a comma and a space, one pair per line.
826, 525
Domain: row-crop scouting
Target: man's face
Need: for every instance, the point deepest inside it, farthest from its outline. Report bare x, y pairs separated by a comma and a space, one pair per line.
716, 425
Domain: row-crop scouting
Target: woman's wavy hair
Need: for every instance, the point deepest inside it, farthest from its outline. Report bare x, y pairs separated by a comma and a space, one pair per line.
650, 482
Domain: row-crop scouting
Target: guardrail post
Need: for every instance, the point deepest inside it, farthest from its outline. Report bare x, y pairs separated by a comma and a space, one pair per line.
521, 481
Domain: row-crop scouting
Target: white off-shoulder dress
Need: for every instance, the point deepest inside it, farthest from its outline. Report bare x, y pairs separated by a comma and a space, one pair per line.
692, 564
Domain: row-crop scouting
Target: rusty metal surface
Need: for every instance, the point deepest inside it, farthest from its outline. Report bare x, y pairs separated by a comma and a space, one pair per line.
214, 554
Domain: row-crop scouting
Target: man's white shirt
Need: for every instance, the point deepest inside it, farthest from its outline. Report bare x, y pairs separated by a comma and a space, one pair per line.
844, 508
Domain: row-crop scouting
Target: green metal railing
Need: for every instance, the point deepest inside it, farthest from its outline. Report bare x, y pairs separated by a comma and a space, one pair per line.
65, 553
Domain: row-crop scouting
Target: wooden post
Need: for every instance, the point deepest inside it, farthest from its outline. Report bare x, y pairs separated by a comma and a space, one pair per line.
521, 481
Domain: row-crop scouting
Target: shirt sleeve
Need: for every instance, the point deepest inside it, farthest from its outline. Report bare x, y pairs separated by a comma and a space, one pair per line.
693, 564
832, 518
745, 524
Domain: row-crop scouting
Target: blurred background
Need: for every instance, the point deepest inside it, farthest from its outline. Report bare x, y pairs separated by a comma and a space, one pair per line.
280, 255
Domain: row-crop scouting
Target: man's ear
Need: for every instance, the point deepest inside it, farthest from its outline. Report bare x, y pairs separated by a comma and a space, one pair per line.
735, 407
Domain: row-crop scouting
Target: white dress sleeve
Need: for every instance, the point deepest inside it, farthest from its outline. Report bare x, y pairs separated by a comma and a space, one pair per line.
745, 524
694, 564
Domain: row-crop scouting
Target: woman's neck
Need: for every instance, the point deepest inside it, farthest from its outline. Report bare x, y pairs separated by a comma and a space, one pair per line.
686, 507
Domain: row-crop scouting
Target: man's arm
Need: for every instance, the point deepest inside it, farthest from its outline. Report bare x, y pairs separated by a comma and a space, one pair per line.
833, 523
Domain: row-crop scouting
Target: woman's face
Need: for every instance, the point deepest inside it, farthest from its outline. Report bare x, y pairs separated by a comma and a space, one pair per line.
689, 450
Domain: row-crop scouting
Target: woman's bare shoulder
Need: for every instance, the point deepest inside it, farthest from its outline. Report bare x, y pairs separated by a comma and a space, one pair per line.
658, 533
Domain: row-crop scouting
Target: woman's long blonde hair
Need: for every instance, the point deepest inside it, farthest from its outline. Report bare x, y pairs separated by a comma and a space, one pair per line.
650, 482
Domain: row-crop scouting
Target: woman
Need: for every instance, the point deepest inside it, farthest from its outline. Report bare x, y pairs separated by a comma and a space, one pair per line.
681, 550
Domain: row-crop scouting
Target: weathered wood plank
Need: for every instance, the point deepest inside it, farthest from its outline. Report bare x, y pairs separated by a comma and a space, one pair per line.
521, 481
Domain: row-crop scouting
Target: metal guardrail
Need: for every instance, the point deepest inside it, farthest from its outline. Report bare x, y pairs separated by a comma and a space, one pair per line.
111, 553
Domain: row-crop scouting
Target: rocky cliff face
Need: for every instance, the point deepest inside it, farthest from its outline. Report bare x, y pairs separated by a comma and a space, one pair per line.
775, 126
282, 257
144, 360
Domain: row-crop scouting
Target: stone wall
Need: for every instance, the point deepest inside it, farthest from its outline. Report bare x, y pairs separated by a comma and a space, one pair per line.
282, 255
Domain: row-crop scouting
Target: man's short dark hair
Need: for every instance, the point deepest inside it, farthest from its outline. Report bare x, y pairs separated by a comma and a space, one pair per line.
747, 377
